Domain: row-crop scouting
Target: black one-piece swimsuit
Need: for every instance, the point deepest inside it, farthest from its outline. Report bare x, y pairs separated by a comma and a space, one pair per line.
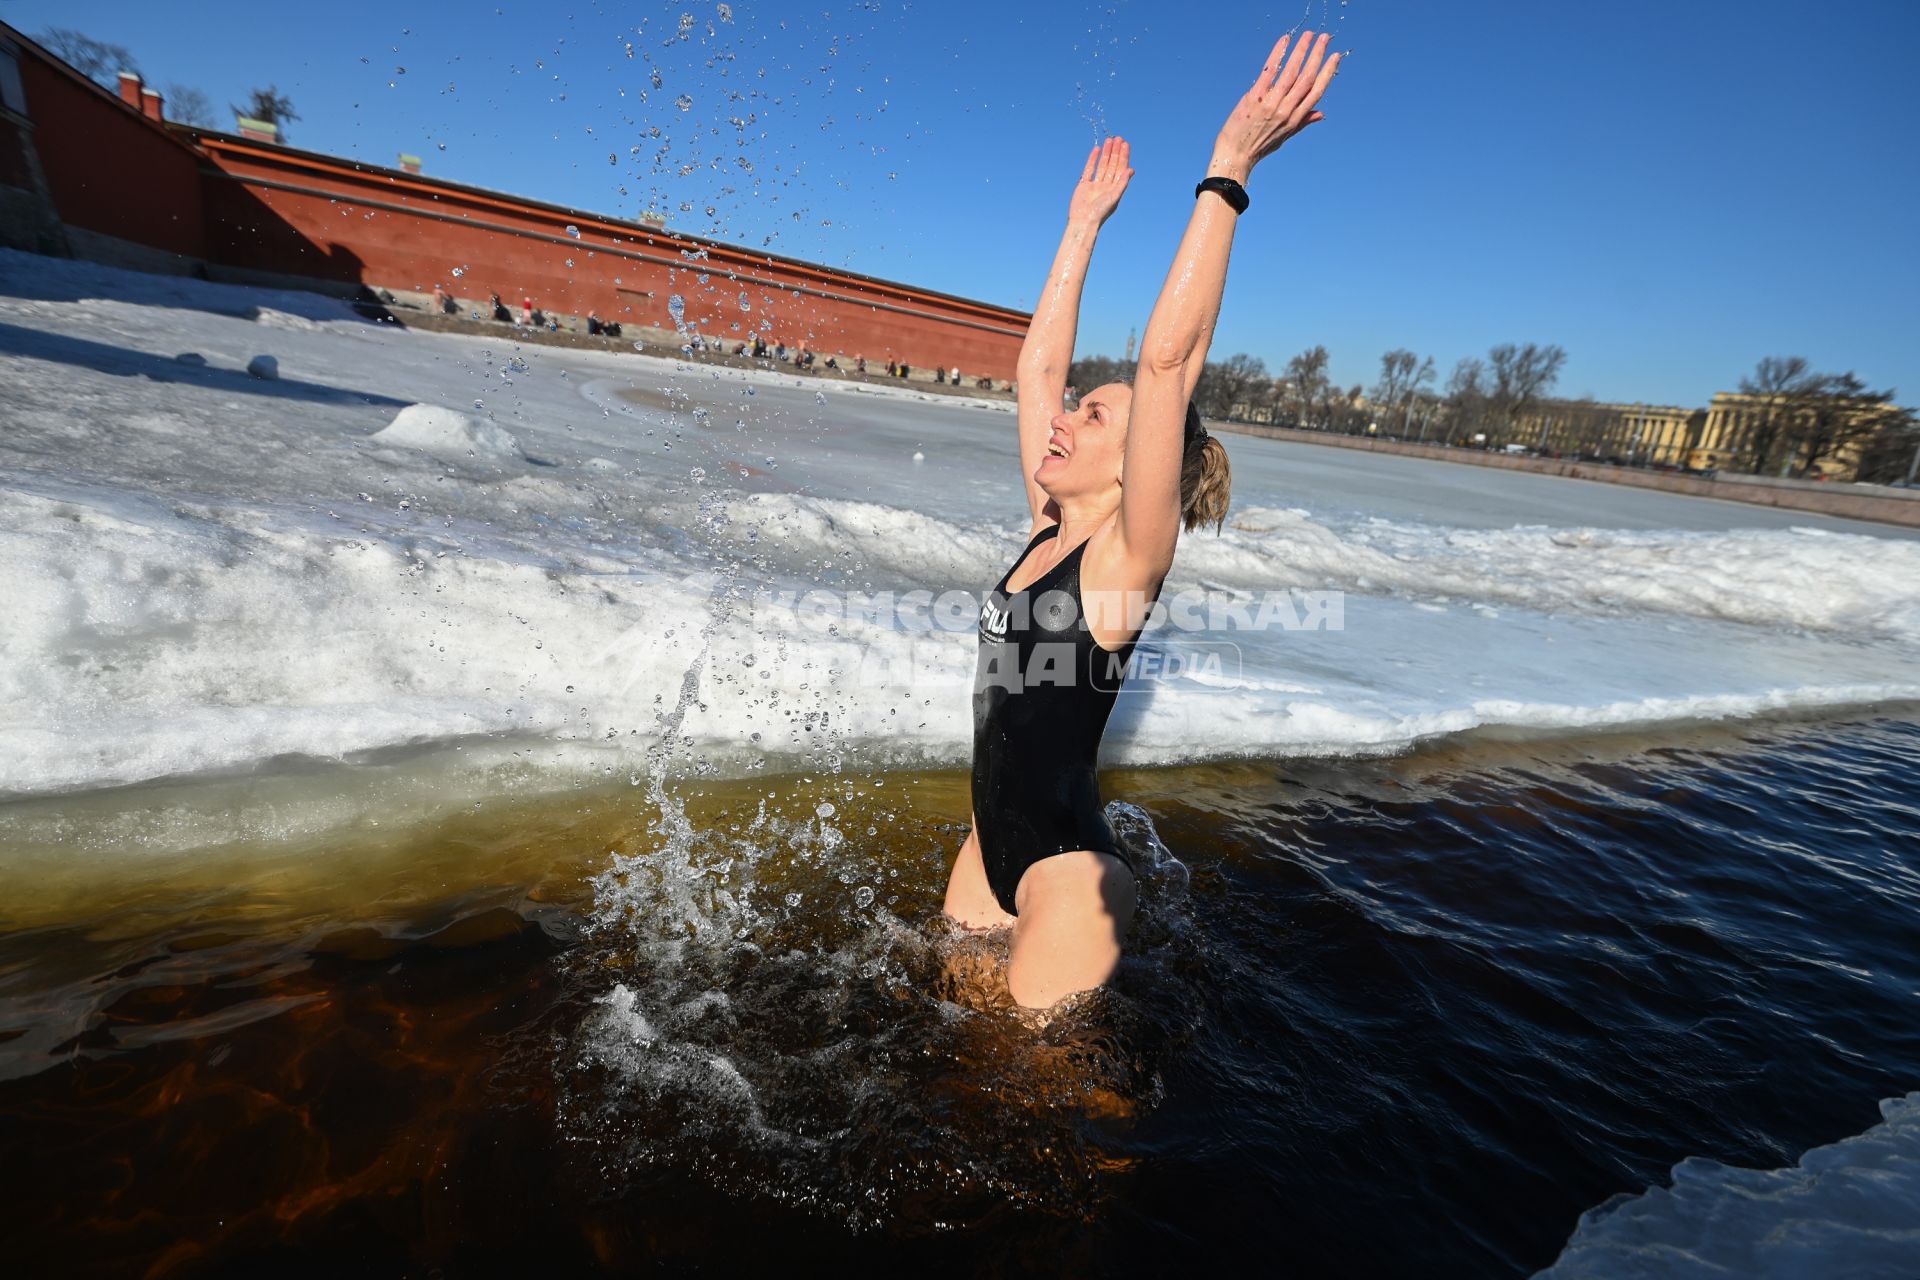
1042, 691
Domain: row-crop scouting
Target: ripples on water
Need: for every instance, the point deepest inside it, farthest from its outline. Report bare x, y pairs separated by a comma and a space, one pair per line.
1400, 1017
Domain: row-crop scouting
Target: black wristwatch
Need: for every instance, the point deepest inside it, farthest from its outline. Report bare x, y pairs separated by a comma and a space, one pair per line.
1232, 192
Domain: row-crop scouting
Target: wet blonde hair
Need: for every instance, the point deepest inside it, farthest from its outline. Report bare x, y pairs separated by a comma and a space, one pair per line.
1206, 478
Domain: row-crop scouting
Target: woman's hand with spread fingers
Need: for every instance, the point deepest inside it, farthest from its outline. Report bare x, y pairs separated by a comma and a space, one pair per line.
1102, 183
1280, 104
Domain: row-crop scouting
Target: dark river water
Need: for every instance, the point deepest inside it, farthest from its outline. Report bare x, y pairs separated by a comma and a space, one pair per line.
1392, 1017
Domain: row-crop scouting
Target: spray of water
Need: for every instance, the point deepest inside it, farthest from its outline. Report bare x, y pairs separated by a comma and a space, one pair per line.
757, 1013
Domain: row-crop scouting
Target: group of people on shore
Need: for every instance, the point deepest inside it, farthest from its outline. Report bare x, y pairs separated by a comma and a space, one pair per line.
757, 348
802, 357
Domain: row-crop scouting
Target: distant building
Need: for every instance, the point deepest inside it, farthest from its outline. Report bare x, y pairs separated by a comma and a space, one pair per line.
1658, 434
1740, 427
1728, 436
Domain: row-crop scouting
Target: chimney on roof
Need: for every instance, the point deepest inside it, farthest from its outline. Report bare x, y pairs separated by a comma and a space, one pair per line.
151, 105
130, 88
258, 130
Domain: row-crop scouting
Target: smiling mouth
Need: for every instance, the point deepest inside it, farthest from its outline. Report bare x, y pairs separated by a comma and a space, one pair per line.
1055, 449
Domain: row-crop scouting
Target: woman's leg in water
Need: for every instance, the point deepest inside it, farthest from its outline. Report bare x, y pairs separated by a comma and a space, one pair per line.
1074, 912
970, 900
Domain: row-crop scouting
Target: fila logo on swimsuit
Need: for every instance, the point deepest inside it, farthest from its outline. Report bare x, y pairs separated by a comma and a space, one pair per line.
993, 621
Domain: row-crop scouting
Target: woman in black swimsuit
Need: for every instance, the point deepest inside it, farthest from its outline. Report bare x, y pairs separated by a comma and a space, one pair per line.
1110, 485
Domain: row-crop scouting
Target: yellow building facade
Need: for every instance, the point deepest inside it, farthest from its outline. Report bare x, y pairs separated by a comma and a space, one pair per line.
1738, 425
1659, 434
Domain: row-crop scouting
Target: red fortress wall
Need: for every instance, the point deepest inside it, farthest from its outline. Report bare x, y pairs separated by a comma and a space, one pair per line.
247, 209
276, 209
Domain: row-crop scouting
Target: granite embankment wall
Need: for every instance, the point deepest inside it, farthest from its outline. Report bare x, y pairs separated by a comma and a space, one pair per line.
1852, 502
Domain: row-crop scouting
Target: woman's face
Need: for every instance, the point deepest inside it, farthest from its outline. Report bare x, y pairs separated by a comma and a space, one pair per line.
1086, 445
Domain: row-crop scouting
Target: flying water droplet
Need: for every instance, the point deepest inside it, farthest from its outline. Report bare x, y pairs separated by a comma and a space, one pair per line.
573, 231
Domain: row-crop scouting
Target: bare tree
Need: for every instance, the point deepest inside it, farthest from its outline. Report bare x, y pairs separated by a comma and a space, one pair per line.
1422, 383
1236, 380
1838, 414
1779, 387
1402, 375
189, 106
1396, 371
269, 106
1466, 396
1892, 454
1088, 372
1346, 411
1306, 378
95, 59
1521, 375
1423, 409
1208, 392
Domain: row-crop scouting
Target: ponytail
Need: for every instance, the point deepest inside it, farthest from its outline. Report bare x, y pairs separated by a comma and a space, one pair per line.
1206, 479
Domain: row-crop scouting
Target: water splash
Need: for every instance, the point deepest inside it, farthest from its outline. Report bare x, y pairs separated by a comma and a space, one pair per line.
763, 1020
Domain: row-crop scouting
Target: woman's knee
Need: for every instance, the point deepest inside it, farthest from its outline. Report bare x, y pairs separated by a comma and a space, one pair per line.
1080, 883
1075, 909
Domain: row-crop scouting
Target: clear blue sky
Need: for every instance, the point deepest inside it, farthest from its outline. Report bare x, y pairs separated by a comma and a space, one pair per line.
1670, 191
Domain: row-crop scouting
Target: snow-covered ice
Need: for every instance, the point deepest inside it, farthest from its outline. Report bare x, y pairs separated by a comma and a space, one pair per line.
412, 538
1847, 1211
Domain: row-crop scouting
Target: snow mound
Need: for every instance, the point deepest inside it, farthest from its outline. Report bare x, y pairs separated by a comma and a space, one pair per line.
450, 434
273, 318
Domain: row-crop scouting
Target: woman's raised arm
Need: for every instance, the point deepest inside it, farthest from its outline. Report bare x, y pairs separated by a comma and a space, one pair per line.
1048, 349
1173, 351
